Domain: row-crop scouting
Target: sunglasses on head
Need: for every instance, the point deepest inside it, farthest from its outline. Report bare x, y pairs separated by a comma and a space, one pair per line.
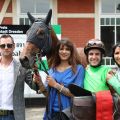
6, 45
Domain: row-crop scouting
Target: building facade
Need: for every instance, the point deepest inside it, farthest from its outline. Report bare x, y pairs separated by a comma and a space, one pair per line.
80, 20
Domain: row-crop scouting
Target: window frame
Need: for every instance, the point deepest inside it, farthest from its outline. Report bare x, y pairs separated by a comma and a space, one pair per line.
24, 15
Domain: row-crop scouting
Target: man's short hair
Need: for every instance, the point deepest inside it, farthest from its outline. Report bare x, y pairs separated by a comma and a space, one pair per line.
7, 36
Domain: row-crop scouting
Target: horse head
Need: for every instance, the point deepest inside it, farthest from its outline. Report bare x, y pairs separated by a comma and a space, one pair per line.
38, 40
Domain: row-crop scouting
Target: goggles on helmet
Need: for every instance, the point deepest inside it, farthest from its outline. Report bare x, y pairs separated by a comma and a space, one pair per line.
94, 44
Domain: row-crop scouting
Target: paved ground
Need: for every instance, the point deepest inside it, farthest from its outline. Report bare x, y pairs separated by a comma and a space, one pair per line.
34, 113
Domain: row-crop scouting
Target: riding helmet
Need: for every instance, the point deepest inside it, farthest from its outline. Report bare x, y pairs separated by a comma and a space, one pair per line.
94, 44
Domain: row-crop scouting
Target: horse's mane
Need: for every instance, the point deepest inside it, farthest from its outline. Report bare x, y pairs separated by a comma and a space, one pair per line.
55, 40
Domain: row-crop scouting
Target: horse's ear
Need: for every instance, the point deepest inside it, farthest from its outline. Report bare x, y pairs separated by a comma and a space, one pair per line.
48, 17
31, 18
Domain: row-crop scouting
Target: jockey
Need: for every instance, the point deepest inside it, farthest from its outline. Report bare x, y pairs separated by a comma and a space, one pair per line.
100, 78
96, 75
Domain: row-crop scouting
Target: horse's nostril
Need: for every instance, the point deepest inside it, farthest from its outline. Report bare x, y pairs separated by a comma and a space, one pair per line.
23, 59
26, 58
25, 62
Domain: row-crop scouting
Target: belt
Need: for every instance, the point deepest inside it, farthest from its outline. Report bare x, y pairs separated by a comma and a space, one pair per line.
6, 112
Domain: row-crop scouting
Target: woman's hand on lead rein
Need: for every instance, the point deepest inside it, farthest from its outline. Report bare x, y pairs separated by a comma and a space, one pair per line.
51, 82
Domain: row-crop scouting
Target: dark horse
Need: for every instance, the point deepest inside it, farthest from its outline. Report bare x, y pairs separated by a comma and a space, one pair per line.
41, 40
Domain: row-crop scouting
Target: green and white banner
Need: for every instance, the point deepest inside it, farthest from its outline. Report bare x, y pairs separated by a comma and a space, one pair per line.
57, 29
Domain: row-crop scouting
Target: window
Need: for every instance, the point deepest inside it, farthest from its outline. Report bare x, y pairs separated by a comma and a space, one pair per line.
118, 34
38, 8
110, 32
34, 6
110, 27
110, 6
117, 6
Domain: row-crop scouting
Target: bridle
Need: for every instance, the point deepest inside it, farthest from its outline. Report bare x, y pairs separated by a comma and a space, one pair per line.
42, 41
39, 62
38, 34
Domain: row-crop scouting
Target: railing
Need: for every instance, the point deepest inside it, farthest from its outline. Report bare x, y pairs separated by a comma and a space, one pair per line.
109, 62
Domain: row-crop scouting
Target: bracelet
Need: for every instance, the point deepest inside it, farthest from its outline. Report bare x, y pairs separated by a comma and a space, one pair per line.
61, 88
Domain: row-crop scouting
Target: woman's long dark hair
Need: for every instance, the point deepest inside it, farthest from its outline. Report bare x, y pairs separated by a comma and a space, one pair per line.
113, 51
74, 57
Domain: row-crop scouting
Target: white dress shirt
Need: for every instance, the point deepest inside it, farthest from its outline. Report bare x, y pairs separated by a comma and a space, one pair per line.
6, 87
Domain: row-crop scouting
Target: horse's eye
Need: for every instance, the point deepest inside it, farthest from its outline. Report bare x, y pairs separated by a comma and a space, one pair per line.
42, 32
